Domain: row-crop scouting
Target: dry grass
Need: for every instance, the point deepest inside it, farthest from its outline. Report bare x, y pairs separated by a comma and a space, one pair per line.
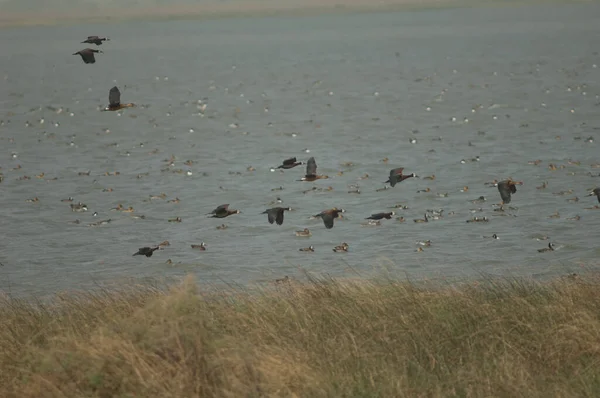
316, 339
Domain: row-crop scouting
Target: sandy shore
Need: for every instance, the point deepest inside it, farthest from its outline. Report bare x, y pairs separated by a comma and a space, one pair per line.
234, 8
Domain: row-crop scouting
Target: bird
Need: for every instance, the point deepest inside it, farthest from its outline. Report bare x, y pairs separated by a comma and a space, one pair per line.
379, 216
396, 176
506, 188
275, 214
596, 192
341, 248
95, 40
114, 100
311, 171
329, 215
305, 232
201, 246
289, 164
550, 248
222, 211
87, 55
146, 251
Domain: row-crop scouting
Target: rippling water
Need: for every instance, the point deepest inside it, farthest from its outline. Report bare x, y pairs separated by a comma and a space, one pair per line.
518, 84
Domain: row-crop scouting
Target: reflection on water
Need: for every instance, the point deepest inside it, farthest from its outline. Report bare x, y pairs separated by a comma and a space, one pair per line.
460, 96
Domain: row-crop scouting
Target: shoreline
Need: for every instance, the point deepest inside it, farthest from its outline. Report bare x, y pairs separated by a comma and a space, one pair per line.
255, 8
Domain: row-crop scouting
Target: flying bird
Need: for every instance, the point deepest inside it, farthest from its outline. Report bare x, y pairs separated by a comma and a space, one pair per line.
396, 176
114, 100
95, 40
87, 55
507, 188
222, 211
329, 215
146, 251
311, 171
276, 214
379, 216
289, 164
596, 192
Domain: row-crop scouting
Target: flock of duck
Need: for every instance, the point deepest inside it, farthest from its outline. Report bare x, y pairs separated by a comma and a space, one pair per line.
275, 215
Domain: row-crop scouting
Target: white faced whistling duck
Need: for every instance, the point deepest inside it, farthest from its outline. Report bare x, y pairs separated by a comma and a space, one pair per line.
596, 192
146, 251
87, 55
114, 100
396, 176
223, 211
276, 214
311, 171
95, 40
329, 215
550, 248
379, 216
506, 188
289, 164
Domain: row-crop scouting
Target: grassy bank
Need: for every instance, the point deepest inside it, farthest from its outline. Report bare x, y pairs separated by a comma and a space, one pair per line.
317, 339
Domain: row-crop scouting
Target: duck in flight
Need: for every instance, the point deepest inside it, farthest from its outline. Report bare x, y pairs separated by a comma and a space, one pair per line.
289, 164
396, 176
114, 100
95, 40
222, 211
275, 214
507, 188
329, 215
87, 55
311, 171
146, 251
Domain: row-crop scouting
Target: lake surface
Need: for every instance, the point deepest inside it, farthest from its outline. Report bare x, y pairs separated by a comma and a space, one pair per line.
508, 85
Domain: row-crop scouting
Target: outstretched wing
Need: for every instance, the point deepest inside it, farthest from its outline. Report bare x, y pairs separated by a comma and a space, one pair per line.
270, 216
505, 190
328, 220
311, 167
395, 172
289, 162
114, 96
279, 217
92, 37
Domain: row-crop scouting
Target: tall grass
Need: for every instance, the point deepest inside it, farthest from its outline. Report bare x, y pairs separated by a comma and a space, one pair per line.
322, 338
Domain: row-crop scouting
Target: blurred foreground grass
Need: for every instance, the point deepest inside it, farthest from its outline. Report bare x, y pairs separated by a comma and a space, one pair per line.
321, 338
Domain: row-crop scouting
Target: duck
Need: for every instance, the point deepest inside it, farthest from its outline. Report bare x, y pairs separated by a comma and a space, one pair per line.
146, 251
289, 164
275, 214
329, 215
222, 211
550, 248
304, 233
222, 226
425, 243
79, 207
494, 236
341, 248
176, 219
424, 219
379, 216
307, 249
396, 176
506, 188
114, 100
95, 40
478, 219
201, 246
87, 55
311, 171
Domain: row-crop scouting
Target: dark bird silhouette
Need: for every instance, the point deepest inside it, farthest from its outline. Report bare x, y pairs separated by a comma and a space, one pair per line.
596, 192
289, 164
95, 40
329, 215
506, 189
146, 251
396, 176
379, 216
311, 171
114, 100
276, 214
87, 55
223, 211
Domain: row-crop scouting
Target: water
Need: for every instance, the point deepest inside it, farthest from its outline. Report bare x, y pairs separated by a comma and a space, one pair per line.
521, 82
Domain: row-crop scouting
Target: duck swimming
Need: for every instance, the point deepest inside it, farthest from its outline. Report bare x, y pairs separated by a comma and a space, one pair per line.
396, 176
276, 214
114, 100
305, 232
201, 246
308, 249
311, 171
341, 248
87, 55
550, 248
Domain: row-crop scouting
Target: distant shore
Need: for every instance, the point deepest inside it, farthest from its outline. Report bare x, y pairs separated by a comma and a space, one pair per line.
239, 8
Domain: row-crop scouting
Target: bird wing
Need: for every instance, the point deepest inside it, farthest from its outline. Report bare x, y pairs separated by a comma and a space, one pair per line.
279, 217
289, 161
327, 220
114, 96
92, 37
270, 216
398, 171
505, 191
311, 167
